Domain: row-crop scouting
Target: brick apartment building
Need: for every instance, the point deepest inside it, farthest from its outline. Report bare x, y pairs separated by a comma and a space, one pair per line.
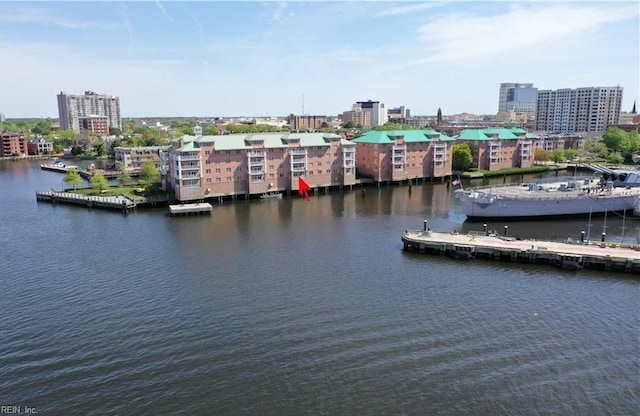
253, 164
13, 144
499, 148
390, 156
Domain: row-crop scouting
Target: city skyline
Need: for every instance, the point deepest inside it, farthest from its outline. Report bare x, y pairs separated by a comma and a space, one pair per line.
224, 59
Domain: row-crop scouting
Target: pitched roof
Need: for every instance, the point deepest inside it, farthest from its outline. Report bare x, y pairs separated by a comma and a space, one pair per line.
492, 133
270, 140
409, 136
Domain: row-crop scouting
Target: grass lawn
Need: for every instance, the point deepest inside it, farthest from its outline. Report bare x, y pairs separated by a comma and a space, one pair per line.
134, 192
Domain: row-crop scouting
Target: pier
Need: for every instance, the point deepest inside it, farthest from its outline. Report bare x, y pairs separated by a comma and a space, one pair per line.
619, 257
190, 209
120, 203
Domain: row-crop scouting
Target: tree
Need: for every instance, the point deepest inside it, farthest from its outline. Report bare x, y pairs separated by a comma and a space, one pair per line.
542, 155
570, 153
114, 131
615, 158
42, 127
149, 174
66, 134
462, 156
123, 175
616, 140
348, 125
558, 156
72, 177
99, 149
596, 148
99, 181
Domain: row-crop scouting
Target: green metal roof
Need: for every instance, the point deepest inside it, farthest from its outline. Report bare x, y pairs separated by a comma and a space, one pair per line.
270, 140
410, 136
491, 133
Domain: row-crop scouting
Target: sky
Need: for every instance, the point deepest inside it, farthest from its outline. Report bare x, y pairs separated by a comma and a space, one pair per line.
274, 58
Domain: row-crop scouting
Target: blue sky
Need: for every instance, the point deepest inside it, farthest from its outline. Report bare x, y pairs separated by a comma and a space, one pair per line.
205, 58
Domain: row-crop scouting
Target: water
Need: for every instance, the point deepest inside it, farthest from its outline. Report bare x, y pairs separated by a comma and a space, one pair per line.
285, 307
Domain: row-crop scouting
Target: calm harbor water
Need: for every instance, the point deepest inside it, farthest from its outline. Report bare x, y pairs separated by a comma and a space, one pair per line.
285, 307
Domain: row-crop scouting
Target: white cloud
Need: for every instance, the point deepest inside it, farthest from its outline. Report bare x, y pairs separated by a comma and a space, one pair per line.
405, 9
464, 36
37, 15
280, 11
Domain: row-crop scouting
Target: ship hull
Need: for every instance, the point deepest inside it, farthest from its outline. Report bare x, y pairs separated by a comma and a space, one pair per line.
563, 206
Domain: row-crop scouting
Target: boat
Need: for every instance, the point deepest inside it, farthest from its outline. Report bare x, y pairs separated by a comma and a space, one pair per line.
560, 197
57, 166
271, 195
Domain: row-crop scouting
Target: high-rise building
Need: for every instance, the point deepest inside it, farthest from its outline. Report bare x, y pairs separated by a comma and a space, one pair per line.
376, 109
518, 98
398, 114
589, 109
72, 107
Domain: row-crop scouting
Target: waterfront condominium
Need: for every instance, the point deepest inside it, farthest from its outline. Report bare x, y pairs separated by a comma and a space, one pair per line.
391, 156
73, 108
499, 148
589, 109
252, 164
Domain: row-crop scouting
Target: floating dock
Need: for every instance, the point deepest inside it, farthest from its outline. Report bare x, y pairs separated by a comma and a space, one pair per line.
190, 209
620, 257
120, 203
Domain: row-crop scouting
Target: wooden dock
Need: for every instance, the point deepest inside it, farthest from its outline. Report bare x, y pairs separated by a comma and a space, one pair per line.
120, 203
565, 255
190, 209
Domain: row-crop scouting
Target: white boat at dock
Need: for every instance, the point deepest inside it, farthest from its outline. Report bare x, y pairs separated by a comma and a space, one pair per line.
617, 191
58, 166
271, 195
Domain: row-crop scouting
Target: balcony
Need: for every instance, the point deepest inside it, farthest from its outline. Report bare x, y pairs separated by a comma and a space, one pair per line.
298, 152
189, 175
189, 167
188, 156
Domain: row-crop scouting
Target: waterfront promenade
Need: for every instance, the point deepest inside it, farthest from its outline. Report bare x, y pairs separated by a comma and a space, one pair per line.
569, 254
110, 202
